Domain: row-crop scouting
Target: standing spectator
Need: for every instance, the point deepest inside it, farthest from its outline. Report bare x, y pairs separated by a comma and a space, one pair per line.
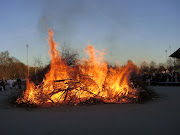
5, 82
10, 83
2, 85
19, 83
176, 77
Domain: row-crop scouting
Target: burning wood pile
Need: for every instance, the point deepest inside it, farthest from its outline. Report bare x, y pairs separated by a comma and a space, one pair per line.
90, 80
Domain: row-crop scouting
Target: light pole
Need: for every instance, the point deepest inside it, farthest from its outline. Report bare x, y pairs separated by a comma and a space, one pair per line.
27, 59
166, 55
169, 55
166, 59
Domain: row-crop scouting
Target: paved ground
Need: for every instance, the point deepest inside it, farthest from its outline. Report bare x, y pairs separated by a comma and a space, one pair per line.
158, 117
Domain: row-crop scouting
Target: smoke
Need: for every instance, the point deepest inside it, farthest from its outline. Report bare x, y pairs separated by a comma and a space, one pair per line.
81, 20
62, 16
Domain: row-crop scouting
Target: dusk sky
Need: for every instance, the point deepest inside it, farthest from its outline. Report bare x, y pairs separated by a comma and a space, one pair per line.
140, 30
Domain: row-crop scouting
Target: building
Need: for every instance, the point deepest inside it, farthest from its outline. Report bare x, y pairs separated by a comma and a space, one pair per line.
176, 57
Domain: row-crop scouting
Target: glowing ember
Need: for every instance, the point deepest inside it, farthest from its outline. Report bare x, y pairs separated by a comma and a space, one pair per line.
89, 79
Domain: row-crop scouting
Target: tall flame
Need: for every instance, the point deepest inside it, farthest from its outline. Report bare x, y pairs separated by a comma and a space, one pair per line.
90, 78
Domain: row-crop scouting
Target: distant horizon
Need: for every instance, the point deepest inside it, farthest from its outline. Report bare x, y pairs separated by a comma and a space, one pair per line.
105, 60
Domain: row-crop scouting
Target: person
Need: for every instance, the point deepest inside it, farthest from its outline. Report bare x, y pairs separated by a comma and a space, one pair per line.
19, 83
2, 85
10, 83
5, 82
176, 77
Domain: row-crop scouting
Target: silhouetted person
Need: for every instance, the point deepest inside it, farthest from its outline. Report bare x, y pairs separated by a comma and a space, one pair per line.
19, 83
2, 85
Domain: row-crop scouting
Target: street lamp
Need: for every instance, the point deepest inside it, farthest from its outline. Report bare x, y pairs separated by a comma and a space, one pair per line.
27, 59
166, 55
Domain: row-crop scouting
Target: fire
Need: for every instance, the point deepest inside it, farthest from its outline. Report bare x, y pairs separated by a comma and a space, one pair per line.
89, 79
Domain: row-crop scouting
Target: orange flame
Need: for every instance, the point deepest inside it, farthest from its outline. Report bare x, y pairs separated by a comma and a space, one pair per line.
90, 78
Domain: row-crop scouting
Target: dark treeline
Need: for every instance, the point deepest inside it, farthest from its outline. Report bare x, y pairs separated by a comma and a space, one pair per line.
10, 67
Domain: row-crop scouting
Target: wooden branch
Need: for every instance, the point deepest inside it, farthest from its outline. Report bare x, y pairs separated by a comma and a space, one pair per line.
62, 80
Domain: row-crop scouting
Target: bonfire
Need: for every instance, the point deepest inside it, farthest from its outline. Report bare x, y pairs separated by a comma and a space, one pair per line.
90, 80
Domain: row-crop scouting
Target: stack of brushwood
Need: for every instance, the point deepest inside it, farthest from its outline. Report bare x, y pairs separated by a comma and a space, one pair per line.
144, 93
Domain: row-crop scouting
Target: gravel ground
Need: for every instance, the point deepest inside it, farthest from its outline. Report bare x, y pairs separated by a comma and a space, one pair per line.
160, 116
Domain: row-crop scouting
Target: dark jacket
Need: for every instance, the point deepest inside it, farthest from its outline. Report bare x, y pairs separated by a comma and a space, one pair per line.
2, 83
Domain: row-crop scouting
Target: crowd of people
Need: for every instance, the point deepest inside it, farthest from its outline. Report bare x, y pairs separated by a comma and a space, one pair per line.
11, 83
164, 76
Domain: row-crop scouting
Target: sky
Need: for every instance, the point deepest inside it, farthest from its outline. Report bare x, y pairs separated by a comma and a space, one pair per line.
139, 30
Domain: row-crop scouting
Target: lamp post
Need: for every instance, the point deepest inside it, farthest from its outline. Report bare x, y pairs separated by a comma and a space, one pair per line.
166, 59
27, 59
166, 55
170, 57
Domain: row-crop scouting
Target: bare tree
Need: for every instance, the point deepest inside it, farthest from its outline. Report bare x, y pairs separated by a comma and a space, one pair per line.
10, 66
144, 67
169, 62
4, 56
69, 55
153, 64
38, 64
